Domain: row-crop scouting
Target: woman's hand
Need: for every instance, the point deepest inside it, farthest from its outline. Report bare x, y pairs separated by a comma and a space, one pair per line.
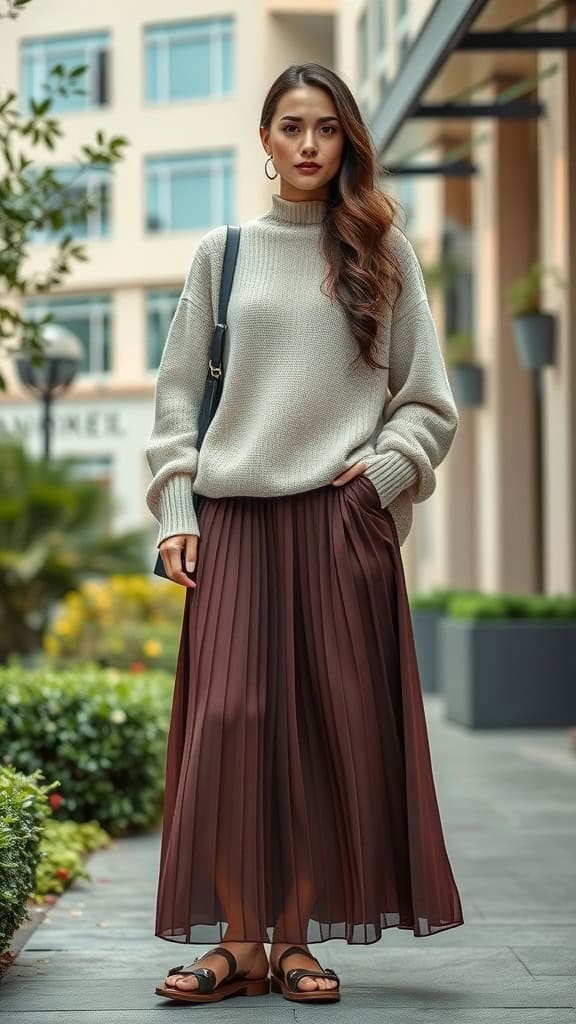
175, 552
356, 470
183, 548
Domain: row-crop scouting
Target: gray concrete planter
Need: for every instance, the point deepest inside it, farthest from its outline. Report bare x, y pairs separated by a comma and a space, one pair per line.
468, 379
534, 334
425, 622
507, 673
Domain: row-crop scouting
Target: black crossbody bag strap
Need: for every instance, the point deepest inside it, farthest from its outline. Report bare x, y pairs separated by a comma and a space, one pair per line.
215, 375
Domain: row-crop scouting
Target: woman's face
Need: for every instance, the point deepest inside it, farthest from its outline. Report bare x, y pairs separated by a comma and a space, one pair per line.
305, 127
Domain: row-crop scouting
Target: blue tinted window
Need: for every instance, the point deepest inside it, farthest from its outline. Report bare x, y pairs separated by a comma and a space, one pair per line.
362, 47
92, 183
160, 308
39, 56
189, 60
88, 318
189, 192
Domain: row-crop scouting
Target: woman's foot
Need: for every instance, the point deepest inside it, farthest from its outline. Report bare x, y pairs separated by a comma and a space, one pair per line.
250, 957
300, 960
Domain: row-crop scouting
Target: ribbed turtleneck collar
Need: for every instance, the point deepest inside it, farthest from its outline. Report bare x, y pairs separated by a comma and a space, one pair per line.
288, 211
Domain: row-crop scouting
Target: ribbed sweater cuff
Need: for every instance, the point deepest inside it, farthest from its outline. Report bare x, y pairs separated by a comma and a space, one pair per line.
390, 472
177, 512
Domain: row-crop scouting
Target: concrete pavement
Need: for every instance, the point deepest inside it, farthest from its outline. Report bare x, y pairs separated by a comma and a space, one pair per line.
508, 803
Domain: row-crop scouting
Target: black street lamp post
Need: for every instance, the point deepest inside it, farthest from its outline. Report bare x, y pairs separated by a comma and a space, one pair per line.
61, 357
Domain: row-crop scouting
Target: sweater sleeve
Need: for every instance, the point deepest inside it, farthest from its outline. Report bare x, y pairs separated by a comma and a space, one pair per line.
171, 449
421, 416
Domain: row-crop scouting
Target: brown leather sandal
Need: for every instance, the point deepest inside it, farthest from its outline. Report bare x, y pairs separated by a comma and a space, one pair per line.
287, 984
233, 984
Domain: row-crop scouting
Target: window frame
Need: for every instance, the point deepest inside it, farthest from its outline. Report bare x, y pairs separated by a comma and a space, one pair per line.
363, 56
218, 163
99, 306
215, 30
403, 29
167, 297
382, 59
37, 50
90, 178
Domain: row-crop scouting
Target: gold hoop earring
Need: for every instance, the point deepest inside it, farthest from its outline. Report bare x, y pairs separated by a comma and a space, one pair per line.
270, 176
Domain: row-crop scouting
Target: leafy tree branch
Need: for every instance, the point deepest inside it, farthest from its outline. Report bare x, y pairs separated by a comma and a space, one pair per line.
35, 202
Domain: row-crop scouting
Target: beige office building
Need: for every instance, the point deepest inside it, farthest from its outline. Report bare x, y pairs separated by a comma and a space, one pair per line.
487, 194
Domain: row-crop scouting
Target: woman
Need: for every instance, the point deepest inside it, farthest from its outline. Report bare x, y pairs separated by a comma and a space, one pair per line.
300, 802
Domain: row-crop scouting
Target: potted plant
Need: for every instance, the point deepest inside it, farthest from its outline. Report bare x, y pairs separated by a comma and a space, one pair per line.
467, 374
509, 661
534, 329
426, 611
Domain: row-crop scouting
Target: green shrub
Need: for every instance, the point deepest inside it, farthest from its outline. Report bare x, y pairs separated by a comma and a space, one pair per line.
99, 731
62, 850
512, 606
434, 600
460, 349
54, 529
524, 294
23, 808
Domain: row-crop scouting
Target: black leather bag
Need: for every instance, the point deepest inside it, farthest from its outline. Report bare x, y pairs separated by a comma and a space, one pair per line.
215, 376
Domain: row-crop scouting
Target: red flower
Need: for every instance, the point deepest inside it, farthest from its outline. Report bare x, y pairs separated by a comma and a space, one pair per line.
63, 873
137, 666
55, 800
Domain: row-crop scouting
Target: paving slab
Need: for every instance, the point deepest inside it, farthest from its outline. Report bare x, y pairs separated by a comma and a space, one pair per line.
510, 827
399, 989
281, 1014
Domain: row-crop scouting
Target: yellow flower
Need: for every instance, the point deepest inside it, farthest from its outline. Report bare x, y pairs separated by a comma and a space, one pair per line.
51, 645
103, 601
151, 648
63, 627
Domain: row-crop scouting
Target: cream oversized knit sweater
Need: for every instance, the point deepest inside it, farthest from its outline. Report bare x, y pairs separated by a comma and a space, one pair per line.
293, 415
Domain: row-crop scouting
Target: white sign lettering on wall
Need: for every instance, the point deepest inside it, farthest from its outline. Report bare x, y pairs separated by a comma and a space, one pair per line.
85, 423
114, 429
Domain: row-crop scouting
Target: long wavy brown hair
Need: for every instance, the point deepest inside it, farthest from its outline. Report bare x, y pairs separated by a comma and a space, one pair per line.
363, 274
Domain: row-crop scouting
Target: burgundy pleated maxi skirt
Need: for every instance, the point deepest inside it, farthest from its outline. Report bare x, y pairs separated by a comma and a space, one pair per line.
300, 802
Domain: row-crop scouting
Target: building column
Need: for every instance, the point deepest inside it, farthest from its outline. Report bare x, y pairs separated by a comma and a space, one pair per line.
557, 168
457, 481
504, 203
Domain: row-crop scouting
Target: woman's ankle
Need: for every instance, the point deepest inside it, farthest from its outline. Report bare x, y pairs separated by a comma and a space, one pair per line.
255, 945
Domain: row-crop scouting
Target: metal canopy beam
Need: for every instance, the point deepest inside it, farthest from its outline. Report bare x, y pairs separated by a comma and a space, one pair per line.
507, 40
447, 23
458, 169
518, 111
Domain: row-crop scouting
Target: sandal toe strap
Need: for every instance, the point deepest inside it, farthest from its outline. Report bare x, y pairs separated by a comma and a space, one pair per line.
206, 977
297, 973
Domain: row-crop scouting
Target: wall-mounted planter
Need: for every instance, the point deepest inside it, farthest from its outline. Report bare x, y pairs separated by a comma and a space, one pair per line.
508, 673
534, 334
468, 381
424, 622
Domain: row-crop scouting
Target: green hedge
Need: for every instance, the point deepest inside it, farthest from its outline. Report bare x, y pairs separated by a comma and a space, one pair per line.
23, 808
472, 604
511, 606
101, 732
435, 600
